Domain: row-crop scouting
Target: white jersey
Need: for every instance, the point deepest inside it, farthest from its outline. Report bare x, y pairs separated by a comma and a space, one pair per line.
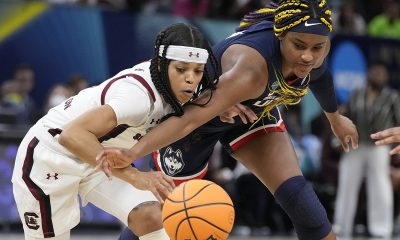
132, 95
47, 177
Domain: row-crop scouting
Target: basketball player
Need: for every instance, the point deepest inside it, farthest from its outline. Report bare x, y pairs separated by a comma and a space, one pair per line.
56, 158
388, 136
277, 53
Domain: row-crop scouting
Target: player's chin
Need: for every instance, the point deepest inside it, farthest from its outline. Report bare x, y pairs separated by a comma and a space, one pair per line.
184, 98
303, 71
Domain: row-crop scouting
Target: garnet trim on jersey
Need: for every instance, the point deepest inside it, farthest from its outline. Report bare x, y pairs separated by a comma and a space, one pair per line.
114, 132
111, 134
37, 192
135, 76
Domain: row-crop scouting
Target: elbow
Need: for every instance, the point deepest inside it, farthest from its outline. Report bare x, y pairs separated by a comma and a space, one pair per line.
65, 139
258, 86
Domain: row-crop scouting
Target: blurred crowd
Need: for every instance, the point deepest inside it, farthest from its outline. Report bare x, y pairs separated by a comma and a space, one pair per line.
321, 157
361, 17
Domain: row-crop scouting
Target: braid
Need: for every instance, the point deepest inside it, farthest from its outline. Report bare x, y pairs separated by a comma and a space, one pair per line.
288, 14
183, 35
263, 14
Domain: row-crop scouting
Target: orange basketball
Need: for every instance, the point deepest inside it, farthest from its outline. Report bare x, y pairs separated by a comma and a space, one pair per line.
198, 210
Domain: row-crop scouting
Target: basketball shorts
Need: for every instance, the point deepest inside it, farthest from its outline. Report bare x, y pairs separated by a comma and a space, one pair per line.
46, 186
188, 157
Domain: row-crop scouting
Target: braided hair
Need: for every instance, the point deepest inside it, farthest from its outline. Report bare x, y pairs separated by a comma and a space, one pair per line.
182, 35
288, 14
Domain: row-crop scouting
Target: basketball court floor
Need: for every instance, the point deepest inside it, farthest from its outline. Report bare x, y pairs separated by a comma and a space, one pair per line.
114, 236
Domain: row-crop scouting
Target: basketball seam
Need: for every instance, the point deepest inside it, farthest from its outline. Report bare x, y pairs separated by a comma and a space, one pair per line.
198, 192
212, 224
192, 207
186, 212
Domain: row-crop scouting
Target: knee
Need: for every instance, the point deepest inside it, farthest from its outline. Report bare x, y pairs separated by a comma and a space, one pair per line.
300, 202
145, 218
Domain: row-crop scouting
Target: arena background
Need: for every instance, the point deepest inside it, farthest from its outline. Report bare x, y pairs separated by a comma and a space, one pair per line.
59, 40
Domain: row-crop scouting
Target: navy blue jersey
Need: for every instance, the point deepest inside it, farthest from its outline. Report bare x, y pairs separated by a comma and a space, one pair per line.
188, 158
261, 37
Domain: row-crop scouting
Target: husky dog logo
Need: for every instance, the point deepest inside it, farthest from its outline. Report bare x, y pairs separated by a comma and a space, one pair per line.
173, 161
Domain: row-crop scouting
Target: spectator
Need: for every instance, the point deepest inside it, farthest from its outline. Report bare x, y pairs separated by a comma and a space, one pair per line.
387, 24
57, 95
24, 76
373, 108
10, 102
77, 83
348, 21
190, 8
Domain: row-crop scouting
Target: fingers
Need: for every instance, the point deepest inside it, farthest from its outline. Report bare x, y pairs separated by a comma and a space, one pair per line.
354, 141
395, 150
388, 140
154, 190
246, 112
102, 165
163, 185
345, 143
107, 169
227, 119
166, 183
386, 133
243, 117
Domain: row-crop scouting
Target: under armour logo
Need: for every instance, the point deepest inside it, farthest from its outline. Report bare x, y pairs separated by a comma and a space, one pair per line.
157, 121
55, 176
31, 220
191, 54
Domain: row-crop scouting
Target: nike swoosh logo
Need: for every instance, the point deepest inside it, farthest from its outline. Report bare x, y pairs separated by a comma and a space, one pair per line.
310, 24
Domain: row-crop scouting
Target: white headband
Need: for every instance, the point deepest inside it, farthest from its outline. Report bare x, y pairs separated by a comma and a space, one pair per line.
185, 54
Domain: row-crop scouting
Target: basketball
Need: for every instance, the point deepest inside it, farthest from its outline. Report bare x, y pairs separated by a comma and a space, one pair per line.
198, 210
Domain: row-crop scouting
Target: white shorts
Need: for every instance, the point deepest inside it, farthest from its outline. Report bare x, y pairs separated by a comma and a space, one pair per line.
46, 185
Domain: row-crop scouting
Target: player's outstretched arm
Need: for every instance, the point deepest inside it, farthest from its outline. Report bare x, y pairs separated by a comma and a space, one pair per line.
388, 136
244, 77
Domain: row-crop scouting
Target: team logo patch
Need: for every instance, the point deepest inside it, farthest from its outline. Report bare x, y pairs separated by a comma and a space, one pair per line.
173, 161
31, 220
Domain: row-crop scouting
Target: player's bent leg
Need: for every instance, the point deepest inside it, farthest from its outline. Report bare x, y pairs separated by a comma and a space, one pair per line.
156, 235
300, 202
276, 165
137, 209
145, 218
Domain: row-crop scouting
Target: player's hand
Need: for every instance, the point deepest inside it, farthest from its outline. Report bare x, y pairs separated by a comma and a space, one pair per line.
345, 130
110, 158
157, 182
388, 136
244, 112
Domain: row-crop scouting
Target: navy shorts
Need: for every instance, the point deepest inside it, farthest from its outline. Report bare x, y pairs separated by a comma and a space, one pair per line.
188, 157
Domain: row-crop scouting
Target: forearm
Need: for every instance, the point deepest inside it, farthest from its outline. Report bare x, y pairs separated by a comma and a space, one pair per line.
172, 130
127, 174
84, 145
